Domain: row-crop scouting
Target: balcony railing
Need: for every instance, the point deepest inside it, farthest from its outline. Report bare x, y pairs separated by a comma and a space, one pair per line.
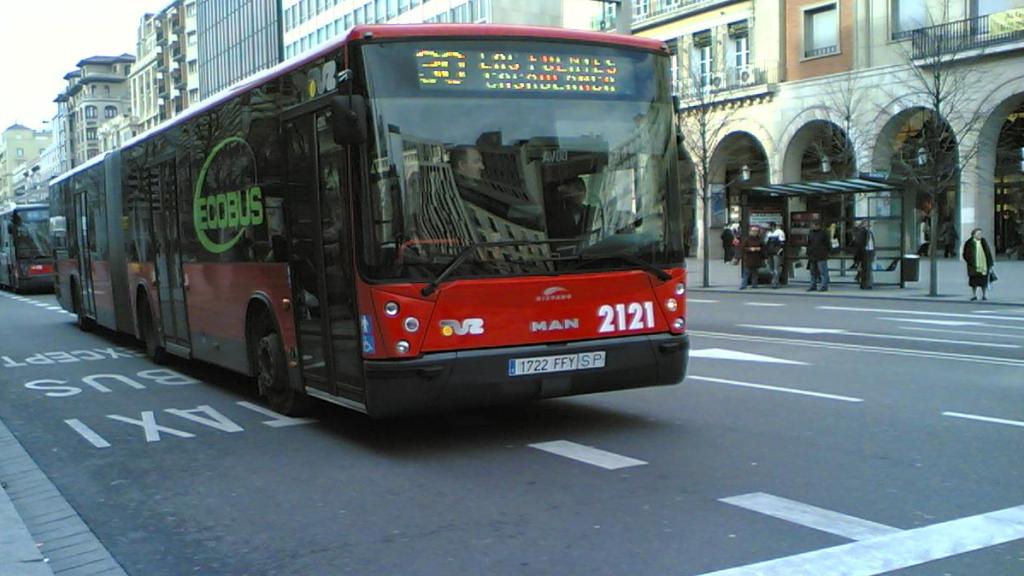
823, 51
656, 9
957, 37
718, 85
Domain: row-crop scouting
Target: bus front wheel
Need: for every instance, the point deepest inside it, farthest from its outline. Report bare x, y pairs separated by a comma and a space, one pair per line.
272, 377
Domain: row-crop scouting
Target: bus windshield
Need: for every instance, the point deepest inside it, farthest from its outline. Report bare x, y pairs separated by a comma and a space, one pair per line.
550, 157
31, 233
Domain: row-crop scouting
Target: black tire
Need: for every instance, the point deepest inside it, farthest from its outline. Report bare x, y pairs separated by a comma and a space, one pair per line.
150, 338
85, 324
272, 377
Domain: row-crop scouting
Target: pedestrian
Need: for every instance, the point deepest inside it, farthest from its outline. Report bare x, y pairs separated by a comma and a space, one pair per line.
948, 237
924, 236
979, 261
818, 247
864, 253
752, 249
775, 249
727, 238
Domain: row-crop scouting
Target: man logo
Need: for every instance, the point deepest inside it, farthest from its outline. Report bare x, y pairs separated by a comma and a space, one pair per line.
554, 325
553, 294
474, 326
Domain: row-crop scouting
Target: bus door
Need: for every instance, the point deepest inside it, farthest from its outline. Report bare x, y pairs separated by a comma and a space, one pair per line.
86, 240
169, 278
318, 207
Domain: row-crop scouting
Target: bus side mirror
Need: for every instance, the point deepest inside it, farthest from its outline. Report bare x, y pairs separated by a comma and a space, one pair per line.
348, 120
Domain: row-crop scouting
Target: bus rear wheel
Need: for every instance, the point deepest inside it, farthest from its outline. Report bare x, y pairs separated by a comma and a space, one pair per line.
156, 352
272, 377
85, 324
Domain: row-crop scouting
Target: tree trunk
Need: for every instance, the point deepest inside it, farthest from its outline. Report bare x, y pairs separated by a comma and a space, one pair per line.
933, 253
706, 226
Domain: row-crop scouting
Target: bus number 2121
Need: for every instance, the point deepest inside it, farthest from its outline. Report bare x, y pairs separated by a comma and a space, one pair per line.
620, 317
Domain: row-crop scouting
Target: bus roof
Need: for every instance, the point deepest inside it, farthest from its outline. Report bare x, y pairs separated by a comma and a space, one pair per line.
381, 32
19, 207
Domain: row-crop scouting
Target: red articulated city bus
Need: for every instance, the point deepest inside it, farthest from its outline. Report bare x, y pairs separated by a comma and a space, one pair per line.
416, 217
26, 260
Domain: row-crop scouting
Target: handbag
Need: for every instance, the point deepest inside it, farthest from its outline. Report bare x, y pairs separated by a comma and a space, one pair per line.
992, 275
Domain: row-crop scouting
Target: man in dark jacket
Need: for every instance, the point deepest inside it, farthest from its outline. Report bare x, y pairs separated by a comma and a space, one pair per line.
818, 247
727, 238
864, 252
752, 249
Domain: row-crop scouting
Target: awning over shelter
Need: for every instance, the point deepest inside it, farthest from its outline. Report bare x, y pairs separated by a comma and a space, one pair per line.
847, 186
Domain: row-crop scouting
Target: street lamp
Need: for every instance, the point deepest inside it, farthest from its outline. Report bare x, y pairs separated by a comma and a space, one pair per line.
1022, 158
826, 166
922, 156
745, 173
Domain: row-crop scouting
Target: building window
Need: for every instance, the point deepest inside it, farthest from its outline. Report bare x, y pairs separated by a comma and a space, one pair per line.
110, 112
90, 134
907, 16
739, 45
20, 153
821, 31
641, 8
90, 111
703, 58
985, 7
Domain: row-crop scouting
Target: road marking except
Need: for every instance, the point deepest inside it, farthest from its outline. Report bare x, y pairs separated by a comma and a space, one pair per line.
917, 313
764, 304
87, 433
723, 354
776, 389
883, 336
952, 323
967, 332
896, 551
795, 329
984, 418
588, 454
811, 516
977, 359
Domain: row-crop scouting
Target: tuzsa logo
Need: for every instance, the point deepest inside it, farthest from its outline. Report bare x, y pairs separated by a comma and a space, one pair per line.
226, 211
473, 326
554, 294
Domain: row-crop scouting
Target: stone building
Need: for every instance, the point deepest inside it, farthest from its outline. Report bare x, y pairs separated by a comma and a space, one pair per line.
97, 93
20, 149
165, 78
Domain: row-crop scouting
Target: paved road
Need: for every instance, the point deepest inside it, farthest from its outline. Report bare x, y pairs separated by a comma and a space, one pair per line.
813, 436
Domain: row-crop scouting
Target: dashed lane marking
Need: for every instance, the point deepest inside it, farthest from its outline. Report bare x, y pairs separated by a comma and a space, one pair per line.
700, 301
973, 358
764, 304
776, 389
883, 336
965, 332
917, 313
811, 516
896, 551
984, 419
952, 323
588, 454
723, 354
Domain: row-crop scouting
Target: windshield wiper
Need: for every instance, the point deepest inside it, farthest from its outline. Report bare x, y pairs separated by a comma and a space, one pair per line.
470, 250
629, 259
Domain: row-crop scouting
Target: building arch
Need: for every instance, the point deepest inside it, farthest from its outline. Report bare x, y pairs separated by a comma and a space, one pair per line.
818, 150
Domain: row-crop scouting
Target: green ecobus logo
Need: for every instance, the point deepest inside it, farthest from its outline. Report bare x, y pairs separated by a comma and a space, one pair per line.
225, 211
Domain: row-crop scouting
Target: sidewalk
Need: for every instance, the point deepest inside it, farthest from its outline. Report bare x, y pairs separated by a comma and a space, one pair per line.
1008, 290
19, 555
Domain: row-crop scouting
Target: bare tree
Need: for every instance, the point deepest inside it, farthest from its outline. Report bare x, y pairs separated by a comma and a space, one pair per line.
947, 85
702, 123
847, 102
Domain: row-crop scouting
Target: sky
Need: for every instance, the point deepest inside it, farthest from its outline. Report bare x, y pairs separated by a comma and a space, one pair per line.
42, 40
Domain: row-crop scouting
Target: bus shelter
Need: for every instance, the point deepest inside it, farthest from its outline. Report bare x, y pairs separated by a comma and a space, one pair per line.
839, 206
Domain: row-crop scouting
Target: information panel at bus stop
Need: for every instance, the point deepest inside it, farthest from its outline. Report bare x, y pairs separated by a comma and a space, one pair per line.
486, 69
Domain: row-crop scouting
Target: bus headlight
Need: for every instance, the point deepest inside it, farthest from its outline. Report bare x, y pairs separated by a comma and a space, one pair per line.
680, 289
402, 347
411, 324
391, 308
671, 305
679, 324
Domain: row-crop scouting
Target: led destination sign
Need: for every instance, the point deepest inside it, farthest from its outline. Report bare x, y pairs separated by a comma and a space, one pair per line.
485, 70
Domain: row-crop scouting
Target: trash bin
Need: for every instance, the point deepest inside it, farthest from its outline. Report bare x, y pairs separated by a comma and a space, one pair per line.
910, 268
